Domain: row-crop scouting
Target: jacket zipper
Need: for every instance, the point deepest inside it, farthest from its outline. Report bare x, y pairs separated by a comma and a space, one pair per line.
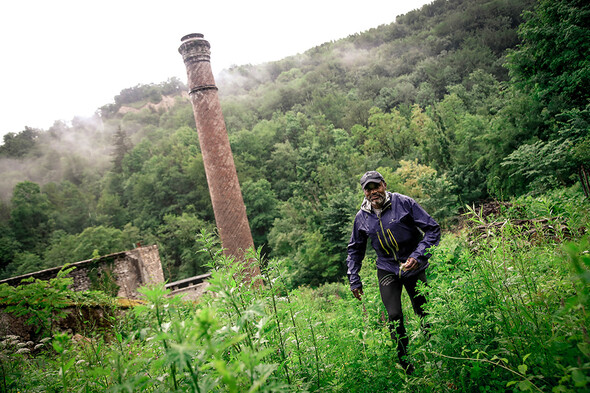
390, 243
393, 246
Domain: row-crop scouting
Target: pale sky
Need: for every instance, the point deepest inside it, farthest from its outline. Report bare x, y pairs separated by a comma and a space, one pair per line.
67, 58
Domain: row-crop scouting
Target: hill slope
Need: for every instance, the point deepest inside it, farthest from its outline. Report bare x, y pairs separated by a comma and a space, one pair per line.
426, 100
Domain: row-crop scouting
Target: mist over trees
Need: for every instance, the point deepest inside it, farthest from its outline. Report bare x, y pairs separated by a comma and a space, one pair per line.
455, 103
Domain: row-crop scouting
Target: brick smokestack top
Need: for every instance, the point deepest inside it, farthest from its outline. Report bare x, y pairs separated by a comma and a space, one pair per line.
226, 196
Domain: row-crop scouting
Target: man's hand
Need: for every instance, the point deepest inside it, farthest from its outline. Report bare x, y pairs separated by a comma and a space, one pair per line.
358, 293
411, 264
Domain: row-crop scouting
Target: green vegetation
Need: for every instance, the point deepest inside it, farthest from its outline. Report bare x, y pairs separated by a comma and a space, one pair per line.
43, 303
508, 315
458, 104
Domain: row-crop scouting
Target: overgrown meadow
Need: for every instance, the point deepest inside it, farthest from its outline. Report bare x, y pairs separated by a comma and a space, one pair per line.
508, 307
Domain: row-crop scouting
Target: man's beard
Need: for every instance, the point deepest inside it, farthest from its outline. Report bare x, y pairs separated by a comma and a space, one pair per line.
377, 199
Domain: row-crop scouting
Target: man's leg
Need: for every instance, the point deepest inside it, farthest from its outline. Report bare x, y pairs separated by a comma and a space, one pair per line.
390, 287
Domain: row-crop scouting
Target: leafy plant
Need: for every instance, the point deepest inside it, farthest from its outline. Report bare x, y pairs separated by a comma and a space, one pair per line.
41, 302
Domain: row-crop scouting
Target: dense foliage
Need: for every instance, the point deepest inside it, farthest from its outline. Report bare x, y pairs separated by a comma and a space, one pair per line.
507, 315
455, 103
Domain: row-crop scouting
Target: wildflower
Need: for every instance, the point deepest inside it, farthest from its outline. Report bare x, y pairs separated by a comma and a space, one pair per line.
23, 350
81, 361
20, 345
38, 346
45, 339
162, 377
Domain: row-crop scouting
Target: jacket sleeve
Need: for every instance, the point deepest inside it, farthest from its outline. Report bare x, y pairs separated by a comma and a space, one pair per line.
431, 231
357, 247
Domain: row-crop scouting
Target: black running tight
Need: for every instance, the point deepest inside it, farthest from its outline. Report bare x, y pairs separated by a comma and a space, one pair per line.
390, 286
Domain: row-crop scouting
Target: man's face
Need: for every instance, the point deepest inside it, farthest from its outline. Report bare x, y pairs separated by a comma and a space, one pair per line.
375, 193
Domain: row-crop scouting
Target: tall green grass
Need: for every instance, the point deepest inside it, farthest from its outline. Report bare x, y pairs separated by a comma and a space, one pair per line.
507, 312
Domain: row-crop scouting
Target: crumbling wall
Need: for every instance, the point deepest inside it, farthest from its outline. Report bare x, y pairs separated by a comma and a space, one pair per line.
119, 274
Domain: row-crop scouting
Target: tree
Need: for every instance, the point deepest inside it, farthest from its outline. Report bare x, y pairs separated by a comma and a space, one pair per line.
98, 240
251, 149
261, 208
60, 249
17, 145
121, 146
388, 133
552, 62
71, 207
9, 247
179, 249
337, 217
109, 210
315, 264
552, 65
554, 163
26, 262
403, 92
435, 193
285, 237
281, 168
29, 216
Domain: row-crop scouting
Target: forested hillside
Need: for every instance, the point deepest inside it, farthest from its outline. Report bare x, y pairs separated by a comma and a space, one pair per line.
456, 103
478, 109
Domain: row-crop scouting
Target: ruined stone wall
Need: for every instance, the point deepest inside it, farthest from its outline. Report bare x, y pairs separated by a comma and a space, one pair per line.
150, 266
119, 274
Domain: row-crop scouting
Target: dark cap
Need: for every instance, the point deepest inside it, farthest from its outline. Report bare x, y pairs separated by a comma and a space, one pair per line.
371, 177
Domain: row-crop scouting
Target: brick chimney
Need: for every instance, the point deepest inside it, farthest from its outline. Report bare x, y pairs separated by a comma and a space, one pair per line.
224, 188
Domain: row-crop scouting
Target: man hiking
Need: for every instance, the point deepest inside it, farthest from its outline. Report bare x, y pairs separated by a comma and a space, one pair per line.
400, 231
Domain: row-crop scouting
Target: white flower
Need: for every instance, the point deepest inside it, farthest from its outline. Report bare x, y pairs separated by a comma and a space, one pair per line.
162, 377
23, 350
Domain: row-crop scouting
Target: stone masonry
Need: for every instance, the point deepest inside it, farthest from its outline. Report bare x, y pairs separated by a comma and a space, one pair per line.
119, 274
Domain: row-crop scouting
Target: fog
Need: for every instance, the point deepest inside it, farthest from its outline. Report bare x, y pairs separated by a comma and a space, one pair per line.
67, 58
77, 152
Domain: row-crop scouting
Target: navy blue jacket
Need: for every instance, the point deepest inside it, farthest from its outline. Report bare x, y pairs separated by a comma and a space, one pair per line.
402, 230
